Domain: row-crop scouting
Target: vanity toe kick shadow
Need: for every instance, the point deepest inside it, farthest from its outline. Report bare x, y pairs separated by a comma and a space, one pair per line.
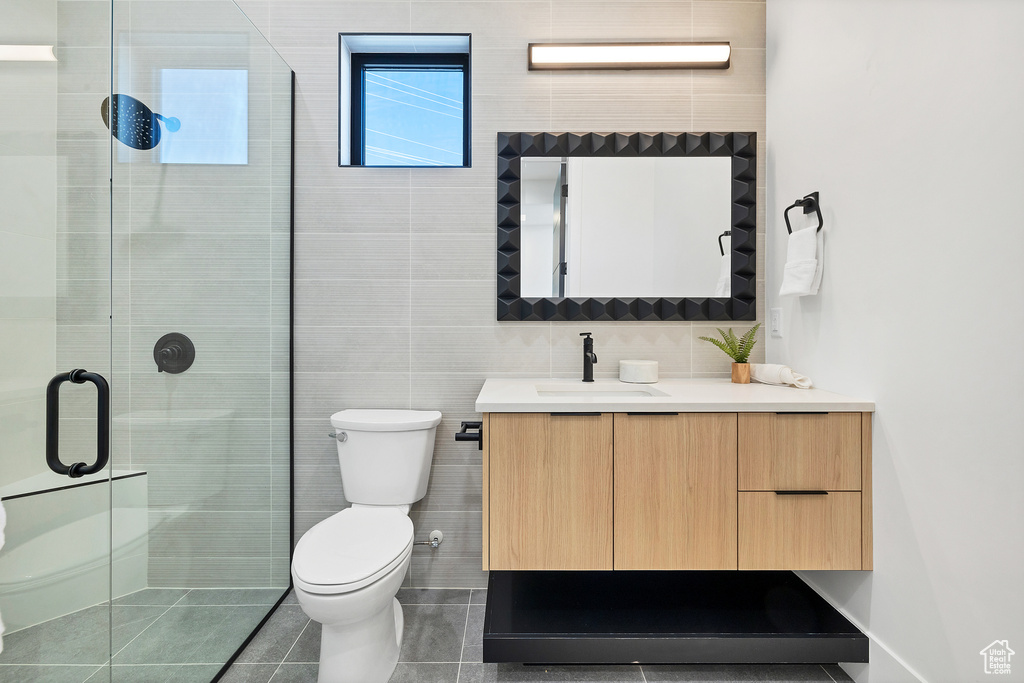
656, 617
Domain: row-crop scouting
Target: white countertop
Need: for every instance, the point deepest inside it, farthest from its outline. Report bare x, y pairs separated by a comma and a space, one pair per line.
672, 395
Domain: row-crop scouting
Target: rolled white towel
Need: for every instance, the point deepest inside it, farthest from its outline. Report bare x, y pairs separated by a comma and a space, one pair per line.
724, 285
783, 375
805, 253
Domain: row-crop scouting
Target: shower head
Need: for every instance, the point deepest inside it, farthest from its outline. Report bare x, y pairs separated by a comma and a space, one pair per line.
133, 123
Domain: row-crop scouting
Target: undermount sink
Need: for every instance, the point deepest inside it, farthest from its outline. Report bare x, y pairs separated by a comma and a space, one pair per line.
597, 391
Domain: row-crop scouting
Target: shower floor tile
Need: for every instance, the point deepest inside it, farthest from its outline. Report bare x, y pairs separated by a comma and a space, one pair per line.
157, 634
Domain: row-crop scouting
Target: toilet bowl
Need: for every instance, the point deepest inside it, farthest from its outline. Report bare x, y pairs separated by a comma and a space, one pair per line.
346, 572
347, 569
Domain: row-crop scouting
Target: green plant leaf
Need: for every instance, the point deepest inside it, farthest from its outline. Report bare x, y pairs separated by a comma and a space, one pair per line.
746, 344
736, 348
719, 344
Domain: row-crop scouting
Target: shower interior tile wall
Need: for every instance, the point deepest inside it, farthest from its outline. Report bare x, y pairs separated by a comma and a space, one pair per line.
28, 174
394, 268
197, 249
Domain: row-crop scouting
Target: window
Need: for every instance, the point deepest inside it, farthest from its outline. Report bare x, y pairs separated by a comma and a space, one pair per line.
407, 100
213, 108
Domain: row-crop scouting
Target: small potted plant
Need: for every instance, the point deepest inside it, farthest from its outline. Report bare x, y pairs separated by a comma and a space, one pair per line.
738, 349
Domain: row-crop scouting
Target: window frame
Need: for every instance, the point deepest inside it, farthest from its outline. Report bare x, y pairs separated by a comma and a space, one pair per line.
360, 61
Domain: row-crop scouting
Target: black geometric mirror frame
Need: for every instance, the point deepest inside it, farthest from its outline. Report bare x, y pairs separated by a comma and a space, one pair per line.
742, 147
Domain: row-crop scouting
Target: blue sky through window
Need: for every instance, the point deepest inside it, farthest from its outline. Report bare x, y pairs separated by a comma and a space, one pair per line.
413, 117
213, 107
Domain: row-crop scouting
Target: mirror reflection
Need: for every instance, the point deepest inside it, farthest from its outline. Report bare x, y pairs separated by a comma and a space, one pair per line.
626, 227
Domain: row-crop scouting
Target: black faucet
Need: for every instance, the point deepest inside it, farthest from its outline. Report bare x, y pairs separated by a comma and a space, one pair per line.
589, 357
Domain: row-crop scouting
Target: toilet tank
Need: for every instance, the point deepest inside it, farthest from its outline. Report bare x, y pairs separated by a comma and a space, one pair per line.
385, 455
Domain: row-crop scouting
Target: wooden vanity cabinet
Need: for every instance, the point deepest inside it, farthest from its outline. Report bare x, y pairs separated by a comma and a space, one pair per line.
677, 491
550, 491
804, 490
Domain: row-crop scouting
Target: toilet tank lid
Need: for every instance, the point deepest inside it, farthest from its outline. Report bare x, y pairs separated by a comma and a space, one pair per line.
386, 420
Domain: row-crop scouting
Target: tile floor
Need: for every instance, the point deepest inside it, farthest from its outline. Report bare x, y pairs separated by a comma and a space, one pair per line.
442, 644
159, 635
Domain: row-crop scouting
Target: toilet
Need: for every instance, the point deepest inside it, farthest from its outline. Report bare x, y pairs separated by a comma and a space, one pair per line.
347, 569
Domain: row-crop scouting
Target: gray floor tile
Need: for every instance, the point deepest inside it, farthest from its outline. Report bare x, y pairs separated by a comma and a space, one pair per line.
236, 625
433, 596
176, 636
277, 636
472, 654
735, 673
295, 673
249, 673
433, 633
290, 599
479, 596
475, 628
837, 673
164, 673
307, 647
84, 638
520, 673
152, 596
131, 620
46, 674
425, 673
232, 596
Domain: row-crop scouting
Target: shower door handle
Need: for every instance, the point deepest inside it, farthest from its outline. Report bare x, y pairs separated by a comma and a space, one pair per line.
78, 469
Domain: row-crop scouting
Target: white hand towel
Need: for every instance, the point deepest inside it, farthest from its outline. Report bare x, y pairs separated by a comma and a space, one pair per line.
768, 373
724, 286
804, 253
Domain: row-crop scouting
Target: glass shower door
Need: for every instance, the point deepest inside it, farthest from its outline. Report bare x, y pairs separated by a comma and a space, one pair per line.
145, 214
55, 343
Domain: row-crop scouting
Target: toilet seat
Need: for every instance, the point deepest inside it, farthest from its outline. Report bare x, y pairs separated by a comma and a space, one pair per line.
351, 549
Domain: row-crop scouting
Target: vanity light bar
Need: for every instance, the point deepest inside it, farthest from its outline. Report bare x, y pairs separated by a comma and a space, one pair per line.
629, 56
27, 53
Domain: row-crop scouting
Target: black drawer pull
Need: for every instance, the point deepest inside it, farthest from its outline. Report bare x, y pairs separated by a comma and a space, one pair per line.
652, 413
801, 493
478, 435
575, 414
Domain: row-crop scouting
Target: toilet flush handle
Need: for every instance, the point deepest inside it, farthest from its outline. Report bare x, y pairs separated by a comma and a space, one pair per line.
340, 436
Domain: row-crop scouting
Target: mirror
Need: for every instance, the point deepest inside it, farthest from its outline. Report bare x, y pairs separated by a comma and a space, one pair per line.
636, 227
626, 226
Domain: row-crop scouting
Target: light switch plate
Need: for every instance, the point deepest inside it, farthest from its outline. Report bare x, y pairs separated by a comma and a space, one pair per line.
775, 322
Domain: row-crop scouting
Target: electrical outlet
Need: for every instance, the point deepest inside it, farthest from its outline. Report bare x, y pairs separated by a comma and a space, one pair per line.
775, 322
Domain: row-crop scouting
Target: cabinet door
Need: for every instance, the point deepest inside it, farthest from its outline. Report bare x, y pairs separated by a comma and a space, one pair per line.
799, 451
675, 491
821, 531
550, 491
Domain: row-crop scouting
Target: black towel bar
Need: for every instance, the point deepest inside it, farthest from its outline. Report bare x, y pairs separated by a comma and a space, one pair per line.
809, 203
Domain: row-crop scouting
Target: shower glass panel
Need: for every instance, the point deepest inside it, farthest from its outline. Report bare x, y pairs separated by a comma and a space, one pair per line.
145, 236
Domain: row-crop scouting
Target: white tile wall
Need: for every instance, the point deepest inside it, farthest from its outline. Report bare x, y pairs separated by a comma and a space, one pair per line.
395, 268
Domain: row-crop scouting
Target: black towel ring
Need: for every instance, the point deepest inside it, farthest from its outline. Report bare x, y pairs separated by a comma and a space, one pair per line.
809, 203
727, 233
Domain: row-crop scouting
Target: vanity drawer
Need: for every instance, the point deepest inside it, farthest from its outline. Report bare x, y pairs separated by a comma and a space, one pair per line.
799, 451
800, 531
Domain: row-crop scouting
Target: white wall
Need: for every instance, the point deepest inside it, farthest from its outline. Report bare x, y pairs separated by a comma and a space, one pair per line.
906, 116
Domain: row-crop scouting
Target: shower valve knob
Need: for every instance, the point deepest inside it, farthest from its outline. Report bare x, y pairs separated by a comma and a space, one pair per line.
174, 353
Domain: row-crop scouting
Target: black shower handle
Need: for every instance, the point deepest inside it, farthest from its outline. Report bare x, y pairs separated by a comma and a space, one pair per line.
77, 469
